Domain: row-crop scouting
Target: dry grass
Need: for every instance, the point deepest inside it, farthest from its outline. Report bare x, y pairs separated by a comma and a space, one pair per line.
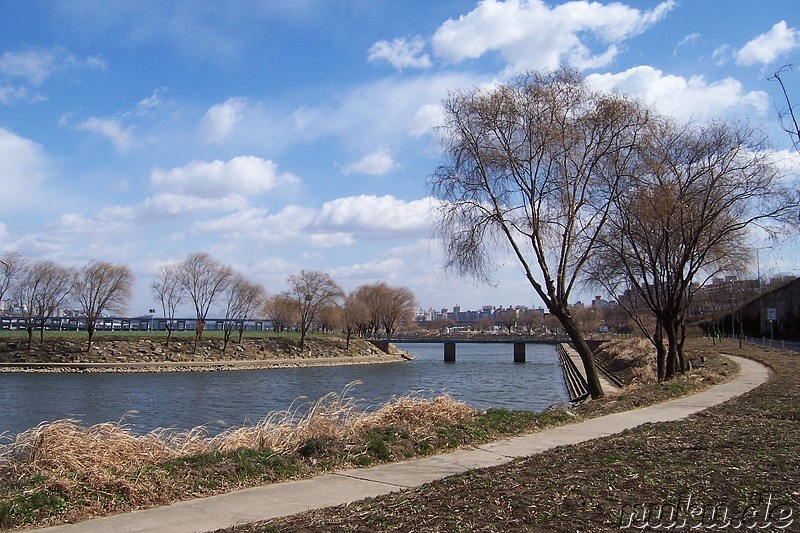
637, 356
67, 446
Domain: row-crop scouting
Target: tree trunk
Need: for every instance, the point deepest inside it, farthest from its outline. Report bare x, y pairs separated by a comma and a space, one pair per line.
587, 357
672, 347
169, 335
30, 337
661, 352
90, 330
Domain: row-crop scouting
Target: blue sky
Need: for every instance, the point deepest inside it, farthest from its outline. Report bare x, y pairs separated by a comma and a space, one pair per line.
281, 136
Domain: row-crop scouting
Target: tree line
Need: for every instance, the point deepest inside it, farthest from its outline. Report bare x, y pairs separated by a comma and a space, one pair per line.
42, 287
585, 187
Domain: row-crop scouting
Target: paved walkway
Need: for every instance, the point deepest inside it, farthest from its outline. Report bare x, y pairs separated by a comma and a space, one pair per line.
281, 499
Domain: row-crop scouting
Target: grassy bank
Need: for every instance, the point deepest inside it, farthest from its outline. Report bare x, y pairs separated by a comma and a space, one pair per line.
65, 472
742, 457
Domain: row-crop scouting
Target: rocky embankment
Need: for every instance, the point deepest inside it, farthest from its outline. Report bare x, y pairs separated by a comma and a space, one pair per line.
153, 355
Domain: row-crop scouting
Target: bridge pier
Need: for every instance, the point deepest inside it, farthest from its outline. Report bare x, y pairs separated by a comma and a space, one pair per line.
519, 352
449, 352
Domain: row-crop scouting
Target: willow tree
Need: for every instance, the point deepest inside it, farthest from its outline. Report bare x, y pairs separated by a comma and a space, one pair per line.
99, 287
204, 280
311, 291
684, 216
531, 168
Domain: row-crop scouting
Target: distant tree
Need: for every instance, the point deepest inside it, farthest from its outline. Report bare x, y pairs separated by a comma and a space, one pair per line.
507, 318
99, 287
243, 299
331, 319
11, 264
355, 316
388, 307
398, 308
204, 280
168, 290
373, 297
587, 319
442, 324
531, 319
282, 312
312, 291
41, 288
484, 325
530, 168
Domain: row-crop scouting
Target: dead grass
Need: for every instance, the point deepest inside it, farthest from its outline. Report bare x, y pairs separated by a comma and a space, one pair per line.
67, 446
634, 357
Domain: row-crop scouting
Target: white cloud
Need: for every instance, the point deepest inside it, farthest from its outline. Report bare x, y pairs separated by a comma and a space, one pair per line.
532, 35
121, 136
247, 175
380, 162
219, 121
368, 215
176, 204
35, 66
401, 53
22, 171
378, 269
765, 48
681, 97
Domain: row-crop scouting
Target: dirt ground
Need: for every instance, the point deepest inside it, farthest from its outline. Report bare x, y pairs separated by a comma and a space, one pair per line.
735, 466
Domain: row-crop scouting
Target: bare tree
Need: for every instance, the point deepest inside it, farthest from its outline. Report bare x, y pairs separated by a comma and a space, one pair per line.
786, 115
354, 315
683, 218
99, 287
531, 168
282, 312
204, 280
331, 319
11, 263
167, 288
41, 288
243, 299
312, 291
398, 308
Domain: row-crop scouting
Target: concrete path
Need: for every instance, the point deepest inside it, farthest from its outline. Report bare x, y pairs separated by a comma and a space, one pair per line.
281, 499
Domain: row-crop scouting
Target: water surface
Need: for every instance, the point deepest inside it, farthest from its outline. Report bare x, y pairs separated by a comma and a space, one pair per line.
483, 376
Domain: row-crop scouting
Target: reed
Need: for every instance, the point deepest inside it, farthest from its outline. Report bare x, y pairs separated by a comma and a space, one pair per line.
65, 446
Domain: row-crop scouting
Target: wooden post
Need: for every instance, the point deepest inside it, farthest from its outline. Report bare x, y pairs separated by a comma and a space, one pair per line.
519, 352
449, 352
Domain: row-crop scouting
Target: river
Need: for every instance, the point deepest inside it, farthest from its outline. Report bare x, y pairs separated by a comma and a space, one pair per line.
484, 376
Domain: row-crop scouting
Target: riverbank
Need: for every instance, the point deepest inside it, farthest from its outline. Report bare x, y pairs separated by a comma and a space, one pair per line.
152, 355
42, 493
734, 465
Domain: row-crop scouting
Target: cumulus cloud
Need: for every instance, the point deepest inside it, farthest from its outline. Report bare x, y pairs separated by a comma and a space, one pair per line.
681, 97
22, 170
122, 137
380, 162
401, 53
765, 48
219, 121
247, 175
529, 34
377, 215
